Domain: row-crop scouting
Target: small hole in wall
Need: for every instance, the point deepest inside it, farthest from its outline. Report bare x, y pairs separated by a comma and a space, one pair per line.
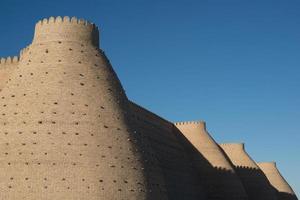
47, 51
70, 49
82, 84
59, 42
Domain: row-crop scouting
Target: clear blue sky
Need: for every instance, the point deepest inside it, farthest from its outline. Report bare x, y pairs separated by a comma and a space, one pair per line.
233, 63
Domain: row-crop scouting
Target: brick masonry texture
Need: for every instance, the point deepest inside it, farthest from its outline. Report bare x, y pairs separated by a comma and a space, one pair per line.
69, 132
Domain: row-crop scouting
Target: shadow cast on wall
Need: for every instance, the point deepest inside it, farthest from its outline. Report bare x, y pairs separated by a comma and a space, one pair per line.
210, 177
187, 174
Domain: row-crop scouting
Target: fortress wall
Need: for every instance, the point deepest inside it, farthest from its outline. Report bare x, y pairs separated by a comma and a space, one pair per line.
64, 131
66, 29
68, 131
285, 192
216, 171
180, 176
238, 155
255, 182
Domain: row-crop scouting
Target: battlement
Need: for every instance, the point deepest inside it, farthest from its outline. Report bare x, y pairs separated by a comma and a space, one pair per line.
66, 29
233, 146
9, 60
191, 124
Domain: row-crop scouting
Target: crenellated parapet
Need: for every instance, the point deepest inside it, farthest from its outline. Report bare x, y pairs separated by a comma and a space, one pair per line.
200, 124
9, 60
66, 29
24, 51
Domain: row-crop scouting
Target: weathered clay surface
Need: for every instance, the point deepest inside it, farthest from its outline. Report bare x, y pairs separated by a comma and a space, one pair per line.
64, 128
68, 132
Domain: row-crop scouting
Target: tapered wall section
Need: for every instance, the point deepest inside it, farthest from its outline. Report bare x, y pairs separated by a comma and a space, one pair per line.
179, 175
284, 190
64, 128
254, 180
215, 171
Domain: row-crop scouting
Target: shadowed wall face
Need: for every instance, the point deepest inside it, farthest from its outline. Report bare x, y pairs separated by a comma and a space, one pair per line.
216, 172
284, 190
254, 180
67, 131
180, 176
64, 128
